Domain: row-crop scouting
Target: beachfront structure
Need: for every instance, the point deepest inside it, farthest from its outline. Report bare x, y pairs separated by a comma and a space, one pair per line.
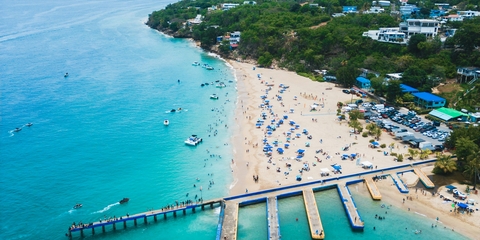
469, 14
428, 100
390, 35
393, 76
196, 20
467, 74
235, 37
227, 6
349, 9
453, 18
408, 89
363, 83
447, 114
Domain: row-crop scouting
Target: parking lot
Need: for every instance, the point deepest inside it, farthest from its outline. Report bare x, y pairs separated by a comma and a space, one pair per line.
419, 129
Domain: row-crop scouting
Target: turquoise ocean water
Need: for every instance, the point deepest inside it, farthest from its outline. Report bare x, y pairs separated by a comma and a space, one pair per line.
98, 135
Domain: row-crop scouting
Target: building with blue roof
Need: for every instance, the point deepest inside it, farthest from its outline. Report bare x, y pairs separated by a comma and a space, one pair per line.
363, 83
408, 89
350, 9
428, 100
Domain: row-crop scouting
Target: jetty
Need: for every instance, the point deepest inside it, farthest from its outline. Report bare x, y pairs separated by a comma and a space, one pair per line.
424, 178
399, 183
227, 227
314, 221
272, 218
349, 205
372, 188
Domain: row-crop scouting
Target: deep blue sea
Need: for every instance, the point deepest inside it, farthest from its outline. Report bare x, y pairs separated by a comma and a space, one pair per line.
98, 135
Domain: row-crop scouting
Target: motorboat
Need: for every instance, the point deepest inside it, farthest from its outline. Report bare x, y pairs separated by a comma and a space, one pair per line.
66, 75
17, 129
173, 110
201, 85
214, 96
29, 124
193, 140
124, 200
196, 63
166, 122
209, 67
221, 85
77, 206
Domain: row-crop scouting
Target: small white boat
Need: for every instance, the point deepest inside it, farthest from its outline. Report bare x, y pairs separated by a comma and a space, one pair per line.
166, 122
193, 140
221, 85
195, 63
209, 67
29, 124
214, 96
66, 75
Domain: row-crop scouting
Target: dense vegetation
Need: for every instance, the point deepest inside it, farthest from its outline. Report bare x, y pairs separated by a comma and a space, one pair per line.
302, 38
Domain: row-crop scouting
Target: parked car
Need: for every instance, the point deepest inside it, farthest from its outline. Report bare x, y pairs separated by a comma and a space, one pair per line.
346, 91
459, 195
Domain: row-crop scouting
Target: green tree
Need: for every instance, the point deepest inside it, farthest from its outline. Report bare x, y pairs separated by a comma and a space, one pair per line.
407, 97
393, 90
355, 124
378, 84
377, 132
414, 76
413, 152
464, 147
472, 166
468, 36
445, 164
425, 153
413, 43
355, 115
346, 74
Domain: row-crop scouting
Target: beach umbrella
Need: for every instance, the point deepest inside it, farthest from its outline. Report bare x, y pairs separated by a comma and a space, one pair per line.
301, 150
280, 150
462, 205
353, 155
273, 120
299, 156
285, 116
298, 134
297, 126
286, 145
292, 129
280, 121
269, 132
289, 133
375, 143
267, 101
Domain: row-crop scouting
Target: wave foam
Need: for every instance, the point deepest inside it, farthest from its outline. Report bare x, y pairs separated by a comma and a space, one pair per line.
107, 208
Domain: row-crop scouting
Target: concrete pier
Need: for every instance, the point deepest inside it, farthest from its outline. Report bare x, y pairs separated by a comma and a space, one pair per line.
372, 188
350, 208
272, 218
316, 227
424, 178
230, 221
400, 185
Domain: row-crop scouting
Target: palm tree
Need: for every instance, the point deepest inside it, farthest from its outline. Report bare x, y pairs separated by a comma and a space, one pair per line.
446, 164
391, 146
472, 166
424, 153
413, 152
355, 114
370, 127
355, 124
377, 132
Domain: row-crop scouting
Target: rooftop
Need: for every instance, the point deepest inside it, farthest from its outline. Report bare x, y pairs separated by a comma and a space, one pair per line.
428, 96
363, 80
406, 88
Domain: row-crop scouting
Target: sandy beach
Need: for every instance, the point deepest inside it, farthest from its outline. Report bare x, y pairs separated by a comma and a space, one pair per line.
329, 137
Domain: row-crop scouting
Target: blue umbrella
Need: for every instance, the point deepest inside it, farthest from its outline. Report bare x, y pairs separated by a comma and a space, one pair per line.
300, 150
298, 134
289, 133
462, 205
281, 121
292, 129
269, 133
375, 143
285, 117
273, 120
280, 150
286, 145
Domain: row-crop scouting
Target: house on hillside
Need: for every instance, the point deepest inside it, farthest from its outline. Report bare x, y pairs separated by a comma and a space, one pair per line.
227, 6
428, 100
467, 74
250, 2
375, 10
350, 9
469, 14
408, 89
406, 29
453, 18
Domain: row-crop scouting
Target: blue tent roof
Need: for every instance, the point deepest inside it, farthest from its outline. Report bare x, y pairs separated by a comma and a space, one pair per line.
406, 88
301, 150
428, 97
375, 143
462, 205
363, 80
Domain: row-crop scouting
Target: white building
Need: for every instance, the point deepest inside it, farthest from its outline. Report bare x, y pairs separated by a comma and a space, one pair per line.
227, 6
250, 2
375, 10
391, 35
235, 37
453, 18
468, 14
427, 27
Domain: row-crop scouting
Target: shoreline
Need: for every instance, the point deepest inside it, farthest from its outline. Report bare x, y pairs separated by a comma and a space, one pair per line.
329, 135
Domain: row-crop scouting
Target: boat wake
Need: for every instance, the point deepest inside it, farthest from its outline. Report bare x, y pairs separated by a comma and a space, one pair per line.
106, 208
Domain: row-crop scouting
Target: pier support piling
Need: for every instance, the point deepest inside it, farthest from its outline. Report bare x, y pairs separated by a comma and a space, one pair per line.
184, 211
124, 224
135, 222
93, 231
174, 213
81, 233
193, 209
155, 218
114, 227
103, 228
165, 216
145, 220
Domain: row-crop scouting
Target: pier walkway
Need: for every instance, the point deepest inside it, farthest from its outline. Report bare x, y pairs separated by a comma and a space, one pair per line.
350, 208
316, 228
228, 218
372, 188
424, 178
272, 218
230, 221
400, 185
